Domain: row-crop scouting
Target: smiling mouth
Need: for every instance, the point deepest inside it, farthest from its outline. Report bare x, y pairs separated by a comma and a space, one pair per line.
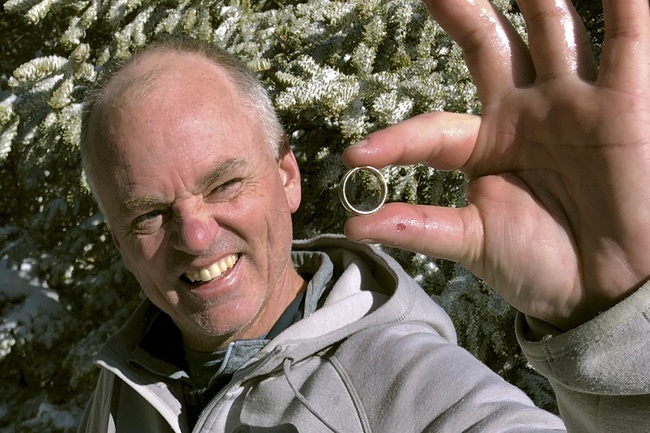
212, 272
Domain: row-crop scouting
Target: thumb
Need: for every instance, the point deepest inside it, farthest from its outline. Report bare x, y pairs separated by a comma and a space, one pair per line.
446, 233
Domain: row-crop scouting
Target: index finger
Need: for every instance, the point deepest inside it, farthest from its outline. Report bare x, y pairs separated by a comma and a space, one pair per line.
441, 140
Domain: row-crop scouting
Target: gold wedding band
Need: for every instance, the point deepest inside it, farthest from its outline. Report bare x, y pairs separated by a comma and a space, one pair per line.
381, 185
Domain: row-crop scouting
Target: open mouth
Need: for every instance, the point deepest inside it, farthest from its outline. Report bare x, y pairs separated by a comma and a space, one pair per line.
210, 273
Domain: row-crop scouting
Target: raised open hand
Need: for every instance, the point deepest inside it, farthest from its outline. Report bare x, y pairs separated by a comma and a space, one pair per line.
558, 219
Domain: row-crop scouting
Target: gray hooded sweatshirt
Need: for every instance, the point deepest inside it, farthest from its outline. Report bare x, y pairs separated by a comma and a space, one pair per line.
377, 355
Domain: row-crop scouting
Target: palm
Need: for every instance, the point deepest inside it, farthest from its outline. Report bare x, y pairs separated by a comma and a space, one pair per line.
558, 212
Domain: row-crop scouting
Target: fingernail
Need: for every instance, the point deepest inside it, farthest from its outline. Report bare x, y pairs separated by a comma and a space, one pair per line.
361, 143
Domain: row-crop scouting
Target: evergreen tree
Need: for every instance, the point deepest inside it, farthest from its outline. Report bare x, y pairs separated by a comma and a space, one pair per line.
336, 71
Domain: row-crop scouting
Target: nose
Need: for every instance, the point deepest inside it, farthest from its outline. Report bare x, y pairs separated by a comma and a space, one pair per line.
194, 233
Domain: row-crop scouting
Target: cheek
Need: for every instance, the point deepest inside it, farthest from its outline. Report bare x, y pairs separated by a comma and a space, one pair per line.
150, 272
141, 254
279, 237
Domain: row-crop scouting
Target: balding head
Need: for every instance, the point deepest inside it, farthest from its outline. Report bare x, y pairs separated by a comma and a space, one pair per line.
184, 166
130, 81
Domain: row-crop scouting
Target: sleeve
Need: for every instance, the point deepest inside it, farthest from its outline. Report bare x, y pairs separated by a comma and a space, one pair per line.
600, 371
409, 379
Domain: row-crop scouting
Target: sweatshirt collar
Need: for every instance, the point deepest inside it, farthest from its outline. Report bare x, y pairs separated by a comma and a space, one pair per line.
160, 351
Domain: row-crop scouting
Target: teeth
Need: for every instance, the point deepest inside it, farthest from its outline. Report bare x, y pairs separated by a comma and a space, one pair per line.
204, 274
213, 271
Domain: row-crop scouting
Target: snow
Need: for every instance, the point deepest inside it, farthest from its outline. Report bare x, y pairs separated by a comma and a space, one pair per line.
16, 282
25, 302
27, 309
48, 414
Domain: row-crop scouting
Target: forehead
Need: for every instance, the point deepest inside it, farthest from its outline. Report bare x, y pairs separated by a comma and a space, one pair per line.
171, 91
170, 73
172, 115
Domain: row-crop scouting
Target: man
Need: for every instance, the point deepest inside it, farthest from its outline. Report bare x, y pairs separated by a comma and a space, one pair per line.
242, 332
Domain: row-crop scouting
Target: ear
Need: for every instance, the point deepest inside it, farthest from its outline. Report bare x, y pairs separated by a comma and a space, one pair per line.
290, 175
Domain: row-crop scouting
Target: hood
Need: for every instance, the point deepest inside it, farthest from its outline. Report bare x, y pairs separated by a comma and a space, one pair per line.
372, 289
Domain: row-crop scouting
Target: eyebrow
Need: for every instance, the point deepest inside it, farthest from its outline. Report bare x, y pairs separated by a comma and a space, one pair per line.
221, 170
138, 204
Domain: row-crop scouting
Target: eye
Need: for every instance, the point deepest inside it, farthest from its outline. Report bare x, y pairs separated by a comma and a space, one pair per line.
148, 222
227, 189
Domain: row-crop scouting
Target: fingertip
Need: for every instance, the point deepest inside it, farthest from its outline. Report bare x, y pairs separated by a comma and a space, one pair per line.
358, 145
354, 154
349, 229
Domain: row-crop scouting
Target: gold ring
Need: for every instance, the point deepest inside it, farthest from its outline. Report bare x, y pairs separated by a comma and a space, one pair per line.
380, 185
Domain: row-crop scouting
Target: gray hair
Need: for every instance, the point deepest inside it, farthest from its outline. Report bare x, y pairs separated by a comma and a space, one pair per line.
256, 98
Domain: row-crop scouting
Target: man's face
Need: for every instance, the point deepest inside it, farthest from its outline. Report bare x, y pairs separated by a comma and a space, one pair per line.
198, 207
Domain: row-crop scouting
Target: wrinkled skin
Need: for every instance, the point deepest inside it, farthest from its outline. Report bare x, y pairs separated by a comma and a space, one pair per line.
186, 180
559, 212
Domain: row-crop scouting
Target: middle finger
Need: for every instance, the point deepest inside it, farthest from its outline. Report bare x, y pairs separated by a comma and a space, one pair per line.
558, 40
495, 54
